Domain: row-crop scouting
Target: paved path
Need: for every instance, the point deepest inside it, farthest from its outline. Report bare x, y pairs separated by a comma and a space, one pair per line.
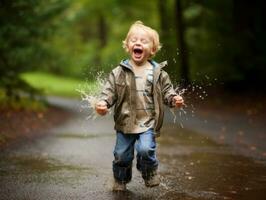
74, 161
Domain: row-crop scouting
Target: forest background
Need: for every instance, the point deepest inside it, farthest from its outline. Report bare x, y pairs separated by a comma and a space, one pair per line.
203, 40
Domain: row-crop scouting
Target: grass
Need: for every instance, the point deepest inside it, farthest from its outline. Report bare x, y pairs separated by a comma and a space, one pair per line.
56, 85
49, 84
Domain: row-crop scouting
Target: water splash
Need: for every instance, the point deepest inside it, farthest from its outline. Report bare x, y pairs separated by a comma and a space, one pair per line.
192, 93
90, 94
90, 103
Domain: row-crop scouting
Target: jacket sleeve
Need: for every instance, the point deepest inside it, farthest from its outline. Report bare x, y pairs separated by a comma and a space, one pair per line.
108, 93
168, 91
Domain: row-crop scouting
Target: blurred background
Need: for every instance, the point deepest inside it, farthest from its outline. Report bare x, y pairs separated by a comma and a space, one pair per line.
53, 46
221, 40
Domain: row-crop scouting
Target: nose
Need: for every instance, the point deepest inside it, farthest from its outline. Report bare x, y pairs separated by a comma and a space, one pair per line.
138, 42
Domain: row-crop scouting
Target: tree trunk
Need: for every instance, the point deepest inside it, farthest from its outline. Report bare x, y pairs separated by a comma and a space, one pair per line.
102, 31
244, 27
180, 30
169, 47
102, 39
163, 19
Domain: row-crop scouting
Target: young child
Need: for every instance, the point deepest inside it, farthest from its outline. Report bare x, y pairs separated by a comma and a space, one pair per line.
138, 88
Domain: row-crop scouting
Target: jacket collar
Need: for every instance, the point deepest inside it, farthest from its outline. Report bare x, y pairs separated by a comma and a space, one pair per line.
157, 67
125, 63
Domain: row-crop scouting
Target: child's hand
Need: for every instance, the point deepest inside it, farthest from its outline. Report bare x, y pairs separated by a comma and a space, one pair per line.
178, 101
101, 108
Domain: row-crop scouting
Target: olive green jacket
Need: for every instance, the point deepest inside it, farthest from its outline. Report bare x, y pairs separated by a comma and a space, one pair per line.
120, 90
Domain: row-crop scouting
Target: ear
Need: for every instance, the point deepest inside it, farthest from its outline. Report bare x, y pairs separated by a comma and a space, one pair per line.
126, 48
153, 51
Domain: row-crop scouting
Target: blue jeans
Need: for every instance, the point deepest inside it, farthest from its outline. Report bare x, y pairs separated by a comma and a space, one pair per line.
147, 162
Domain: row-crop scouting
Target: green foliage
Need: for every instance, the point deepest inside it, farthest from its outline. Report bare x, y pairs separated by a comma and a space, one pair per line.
96, 31
25, 26
55, 85
79, 38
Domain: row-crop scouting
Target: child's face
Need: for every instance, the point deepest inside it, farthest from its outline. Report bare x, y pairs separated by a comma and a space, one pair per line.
140, 46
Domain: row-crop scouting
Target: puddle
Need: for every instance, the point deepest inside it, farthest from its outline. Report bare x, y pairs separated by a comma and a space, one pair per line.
172, 135
37, 164
218, 175
40, 169
199, 168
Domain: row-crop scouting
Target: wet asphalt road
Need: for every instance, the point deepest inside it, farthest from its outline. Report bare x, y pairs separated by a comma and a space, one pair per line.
73, 161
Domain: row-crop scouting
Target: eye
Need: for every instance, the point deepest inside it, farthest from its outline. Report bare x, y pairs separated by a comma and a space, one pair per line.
133, 39
144, 41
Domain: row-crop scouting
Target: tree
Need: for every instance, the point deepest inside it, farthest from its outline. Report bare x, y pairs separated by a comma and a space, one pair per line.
180, 33
165, 34
248, 32
227, 40
24, 25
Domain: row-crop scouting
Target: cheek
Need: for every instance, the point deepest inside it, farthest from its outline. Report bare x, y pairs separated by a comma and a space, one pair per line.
149, 49
128, 47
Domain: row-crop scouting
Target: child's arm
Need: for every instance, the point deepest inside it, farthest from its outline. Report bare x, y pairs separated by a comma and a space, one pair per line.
170, 97
108, 96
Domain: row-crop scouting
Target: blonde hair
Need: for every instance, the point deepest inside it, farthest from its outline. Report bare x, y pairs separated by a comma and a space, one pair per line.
152, 33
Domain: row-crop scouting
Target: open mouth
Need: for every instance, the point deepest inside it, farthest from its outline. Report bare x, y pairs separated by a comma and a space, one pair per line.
137, 52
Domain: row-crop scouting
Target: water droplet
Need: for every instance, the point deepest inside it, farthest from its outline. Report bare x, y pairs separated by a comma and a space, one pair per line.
174, 60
